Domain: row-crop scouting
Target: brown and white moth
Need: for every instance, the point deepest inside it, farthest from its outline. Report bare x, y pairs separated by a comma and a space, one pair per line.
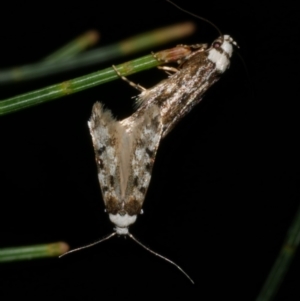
125, 153
125, 150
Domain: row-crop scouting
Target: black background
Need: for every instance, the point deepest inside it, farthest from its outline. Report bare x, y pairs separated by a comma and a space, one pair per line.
224, 188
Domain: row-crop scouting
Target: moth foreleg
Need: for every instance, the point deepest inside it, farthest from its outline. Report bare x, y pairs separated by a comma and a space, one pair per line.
168, 70
132, 84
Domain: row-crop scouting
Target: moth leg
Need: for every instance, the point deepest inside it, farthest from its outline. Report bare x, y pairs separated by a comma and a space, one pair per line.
169, 70
132, 84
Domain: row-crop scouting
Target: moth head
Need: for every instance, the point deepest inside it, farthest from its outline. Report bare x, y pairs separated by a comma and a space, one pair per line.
122, 222
220, 52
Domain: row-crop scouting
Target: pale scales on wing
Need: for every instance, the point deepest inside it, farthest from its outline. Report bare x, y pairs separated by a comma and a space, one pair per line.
125, 155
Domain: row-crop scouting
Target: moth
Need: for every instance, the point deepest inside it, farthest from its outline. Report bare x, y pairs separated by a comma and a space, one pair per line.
125, 150
125, 153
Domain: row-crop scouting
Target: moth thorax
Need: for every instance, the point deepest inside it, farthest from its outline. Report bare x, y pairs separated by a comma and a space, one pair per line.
122, 222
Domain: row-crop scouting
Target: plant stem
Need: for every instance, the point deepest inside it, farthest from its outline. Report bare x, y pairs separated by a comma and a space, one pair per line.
33, 252
75, 85
282, 262
137, 43
73, 48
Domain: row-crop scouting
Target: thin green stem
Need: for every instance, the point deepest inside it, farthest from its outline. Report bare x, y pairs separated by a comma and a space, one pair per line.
75, 85
33, 252
137, 43
282, 262
74, 47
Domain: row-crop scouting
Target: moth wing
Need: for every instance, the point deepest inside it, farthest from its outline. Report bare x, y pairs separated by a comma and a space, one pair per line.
146, 133
105, 132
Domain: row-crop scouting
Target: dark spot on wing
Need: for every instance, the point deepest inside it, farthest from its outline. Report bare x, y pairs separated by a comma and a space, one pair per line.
112, 205
148, 166
111, 180
150, 152
132, 206
104, 188
140, 143
143, 190
101, 150
136, 181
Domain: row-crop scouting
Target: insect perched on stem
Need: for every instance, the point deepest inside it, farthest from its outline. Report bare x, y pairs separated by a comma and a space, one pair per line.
125, 150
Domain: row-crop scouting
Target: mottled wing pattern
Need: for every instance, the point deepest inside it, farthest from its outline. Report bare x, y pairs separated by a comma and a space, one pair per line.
146, 133
106, 133
125, 156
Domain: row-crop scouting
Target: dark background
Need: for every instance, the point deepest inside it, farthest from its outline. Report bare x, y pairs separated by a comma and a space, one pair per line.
224, 188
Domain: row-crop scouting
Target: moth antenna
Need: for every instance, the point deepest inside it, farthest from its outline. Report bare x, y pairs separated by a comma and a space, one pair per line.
251, 85
196, 16
90, 245
162, 257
